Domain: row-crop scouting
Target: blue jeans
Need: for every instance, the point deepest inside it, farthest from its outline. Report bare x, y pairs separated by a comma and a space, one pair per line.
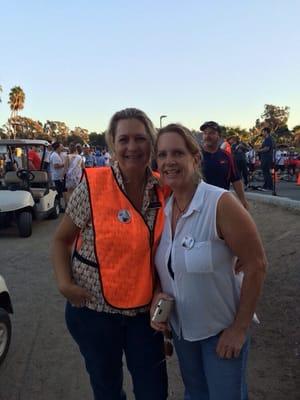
266, 165
208, 377
102, 338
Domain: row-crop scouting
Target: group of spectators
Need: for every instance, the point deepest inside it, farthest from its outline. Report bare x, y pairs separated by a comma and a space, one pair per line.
64, 165
245, 157
67, 164
234, 159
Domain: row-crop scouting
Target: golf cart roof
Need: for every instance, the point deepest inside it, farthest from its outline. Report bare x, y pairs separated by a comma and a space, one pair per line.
23, 142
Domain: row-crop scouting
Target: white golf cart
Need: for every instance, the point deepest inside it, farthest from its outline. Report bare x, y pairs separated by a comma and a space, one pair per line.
5, 324
26, 191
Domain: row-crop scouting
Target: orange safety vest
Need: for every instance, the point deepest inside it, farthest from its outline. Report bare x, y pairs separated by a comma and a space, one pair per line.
124, 244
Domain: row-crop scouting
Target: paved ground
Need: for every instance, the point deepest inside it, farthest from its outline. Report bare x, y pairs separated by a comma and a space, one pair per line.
282, 189
43, 362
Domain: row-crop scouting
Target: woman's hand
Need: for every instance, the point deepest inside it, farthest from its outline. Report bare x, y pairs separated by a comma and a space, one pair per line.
231, 342
75, 294
158, 326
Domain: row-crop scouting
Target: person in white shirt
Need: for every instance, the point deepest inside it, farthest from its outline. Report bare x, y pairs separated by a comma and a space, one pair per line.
205, 229
73, 169
107, 158
279, 160
57, 168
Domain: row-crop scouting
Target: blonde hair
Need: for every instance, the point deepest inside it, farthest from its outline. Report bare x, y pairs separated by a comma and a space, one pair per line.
189, 140
129, 113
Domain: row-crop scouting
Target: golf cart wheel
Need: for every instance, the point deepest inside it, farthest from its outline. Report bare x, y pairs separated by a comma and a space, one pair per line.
56, 210
24, 221
5, 334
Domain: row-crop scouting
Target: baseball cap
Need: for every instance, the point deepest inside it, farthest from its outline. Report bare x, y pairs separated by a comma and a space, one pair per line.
211, 124
86, 146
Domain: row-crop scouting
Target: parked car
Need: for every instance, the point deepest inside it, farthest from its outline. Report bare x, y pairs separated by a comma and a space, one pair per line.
26, 190
5, 323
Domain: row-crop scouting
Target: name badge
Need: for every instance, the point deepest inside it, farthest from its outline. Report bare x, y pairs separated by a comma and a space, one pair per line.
188, 242
124, 216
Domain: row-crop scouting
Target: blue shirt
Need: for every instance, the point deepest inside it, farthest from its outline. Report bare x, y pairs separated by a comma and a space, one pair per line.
219, 169
268, 142
89, 161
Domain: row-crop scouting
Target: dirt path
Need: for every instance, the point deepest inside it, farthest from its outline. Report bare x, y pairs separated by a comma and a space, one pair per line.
274, 367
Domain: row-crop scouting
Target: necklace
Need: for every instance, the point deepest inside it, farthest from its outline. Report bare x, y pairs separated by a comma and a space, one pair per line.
181, 210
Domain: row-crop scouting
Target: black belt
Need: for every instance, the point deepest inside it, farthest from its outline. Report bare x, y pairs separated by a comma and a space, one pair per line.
84, 260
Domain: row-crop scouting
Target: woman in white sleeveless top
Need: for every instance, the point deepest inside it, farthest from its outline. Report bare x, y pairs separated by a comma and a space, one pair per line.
206, 229
73, 169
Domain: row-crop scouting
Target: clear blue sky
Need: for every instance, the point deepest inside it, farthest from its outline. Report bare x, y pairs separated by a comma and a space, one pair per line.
79, 61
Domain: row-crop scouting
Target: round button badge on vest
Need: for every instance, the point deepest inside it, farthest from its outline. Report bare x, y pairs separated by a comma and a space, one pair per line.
124, 216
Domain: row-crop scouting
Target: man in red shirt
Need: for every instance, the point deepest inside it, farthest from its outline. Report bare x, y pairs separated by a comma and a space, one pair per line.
34, 161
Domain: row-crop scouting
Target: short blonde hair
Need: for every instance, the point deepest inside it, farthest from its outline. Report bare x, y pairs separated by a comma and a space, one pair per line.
129, 113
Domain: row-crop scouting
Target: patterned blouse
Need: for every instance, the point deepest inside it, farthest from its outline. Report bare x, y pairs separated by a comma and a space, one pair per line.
79, 211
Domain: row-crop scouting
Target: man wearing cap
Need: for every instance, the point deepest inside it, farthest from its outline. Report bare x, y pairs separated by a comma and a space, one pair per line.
218, 166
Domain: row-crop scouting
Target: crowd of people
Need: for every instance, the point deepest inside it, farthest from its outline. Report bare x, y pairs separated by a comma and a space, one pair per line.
247, 158
131, 237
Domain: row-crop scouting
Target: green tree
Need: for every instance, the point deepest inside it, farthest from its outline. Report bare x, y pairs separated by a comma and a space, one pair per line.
57, 131
283, 135
296, 135
4, 131
26, 128
97, 139
82, 133
16, 100
275, 117
242, 133
74, 138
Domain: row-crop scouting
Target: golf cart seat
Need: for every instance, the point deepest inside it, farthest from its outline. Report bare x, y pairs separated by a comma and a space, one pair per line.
38, 186
11, 177
39, 177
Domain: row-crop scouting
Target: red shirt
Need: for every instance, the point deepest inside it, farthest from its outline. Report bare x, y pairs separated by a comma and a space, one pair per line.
35, 159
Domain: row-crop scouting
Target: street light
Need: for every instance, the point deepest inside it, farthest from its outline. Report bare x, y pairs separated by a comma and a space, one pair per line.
160, 120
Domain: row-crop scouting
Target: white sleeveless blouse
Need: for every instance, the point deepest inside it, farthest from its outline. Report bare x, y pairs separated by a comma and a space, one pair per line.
205, 288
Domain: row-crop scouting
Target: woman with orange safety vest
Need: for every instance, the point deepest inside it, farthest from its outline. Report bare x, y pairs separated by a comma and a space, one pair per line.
115, 216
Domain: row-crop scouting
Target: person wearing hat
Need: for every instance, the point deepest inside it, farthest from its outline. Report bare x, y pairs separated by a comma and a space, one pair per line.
218, 166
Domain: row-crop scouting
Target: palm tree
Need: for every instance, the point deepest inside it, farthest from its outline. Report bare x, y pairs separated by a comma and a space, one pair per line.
1, 90
16, 102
